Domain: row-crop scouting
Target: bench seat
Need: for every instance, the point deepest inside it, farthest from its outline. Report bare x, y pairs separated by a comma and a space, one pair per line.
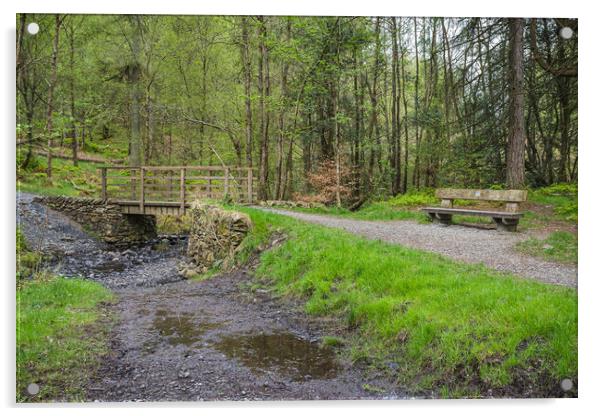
460, 211
505, 220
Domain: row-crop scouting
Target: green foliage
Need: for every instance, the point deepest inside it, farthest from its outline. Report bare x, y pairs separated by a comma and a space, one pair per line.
562, 197
560, 189
424, 197
173, 224
60, 338
448, 324
558, 246
331, 341
28, 261
69, 180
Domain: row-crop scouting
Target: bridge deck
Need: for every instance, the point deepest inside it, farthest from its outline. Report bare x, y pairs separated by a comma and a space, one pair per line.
155, 190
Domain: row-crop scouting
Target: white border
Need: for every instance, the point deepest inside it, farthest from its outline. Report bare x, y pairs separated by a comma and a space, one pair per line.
590, 154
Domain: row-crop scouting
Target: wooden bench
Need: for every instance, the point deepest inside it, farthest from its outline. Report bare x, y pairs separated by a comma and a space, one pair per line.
506, 220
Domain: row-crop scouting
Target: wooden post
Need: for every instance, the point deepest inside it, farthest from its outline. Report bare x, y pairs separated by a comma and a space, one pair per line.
226, 182
209, 185
250, 185
512, 207
447, 203
103, 183
142, 190
133, 183
182, 191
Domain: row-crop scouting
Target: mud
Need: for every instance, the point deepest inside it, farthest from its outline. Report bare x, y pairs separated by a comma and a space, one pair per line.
180, 340
218, 340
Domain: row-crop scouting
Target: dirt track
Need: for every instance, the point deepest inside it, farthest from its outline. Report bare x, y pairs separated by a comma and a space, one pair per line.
216, 340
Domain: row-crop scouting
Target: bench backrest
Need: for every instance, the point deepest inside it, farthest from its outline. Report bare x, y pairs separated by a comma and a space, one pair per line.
511, 197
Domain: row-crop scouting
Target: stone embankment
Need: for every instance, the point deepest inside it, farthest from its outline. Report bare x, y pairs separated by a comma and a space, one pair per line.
104, 220
215, 236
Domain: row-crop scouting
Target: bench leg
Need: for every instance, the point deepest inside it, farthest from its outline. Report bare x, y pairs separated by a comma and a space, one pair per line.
443, 219
506, 224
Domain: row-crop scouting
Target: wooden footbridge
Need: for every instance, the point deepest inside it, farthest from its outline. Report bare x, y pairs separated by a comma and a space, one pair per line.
170, 190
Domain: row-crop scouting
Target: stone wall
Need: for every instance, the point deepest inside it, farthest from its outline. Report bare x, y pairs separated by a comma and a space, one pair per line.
104, 220
215, 236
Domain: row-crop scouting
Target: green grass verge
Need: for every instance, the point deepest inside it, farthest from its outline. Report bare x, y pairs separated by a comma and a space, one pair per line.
28, 261
559, 246
60, 337
453, 328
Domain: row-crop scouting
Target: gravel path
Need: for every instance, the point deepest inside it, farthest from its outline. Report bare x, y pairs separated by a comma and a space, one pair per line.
493, 248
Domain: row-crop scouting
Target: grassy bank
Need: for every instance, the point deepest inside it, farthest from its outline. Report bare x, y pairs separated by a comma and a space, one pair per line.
61, 331
453, 328
69, 180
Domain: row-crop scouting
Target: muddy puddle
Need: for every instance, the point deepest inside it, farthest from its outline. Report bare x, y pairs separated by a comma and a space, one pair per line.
179, 329
284, 352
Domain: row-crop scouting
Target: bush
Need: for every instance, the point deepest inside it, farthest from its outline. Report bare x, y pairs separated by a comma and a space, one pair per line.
413, 199
559, 189
324, 182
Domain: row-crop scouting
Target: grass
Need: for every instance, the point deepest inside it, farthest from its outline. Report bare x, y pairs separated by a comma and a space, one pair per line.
401, 207
28, 261
68, 180
56, 344
560, 246
453, 328
561, 197
60, 337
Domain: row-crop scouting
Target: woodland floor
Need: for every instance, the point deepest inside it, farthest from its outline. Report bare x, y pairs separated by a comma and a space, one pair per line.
471, 244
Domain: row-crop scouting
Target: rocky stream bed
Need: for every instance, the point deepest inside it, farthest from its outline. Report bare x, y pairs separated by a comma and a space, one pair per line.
184, 340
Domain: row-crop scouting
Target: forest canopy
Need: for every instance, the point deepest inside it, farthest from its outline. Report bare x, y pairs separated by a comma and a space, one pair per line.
381, 105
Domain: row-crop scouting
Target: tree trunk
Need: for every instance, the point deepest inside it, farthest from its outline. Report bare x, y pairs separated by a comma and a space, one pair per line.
515, 158
133, 77
246, 61
416, 174
406, 150
373, 125
395, 151
51, 86
72, 92
264, 92
280, 180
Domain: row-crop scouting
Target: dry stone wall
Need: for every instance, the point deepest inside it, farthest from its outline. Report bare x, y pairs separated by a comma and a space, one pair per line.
104, 220
215, 236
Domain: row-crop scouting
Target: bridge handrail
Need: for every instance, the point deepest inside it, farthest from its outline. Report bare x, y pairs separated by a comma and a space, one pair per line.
137, 177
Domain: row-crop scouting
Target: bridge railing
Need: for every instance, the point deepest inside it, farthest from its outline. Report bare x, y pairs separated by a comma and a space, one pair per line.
176, 185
